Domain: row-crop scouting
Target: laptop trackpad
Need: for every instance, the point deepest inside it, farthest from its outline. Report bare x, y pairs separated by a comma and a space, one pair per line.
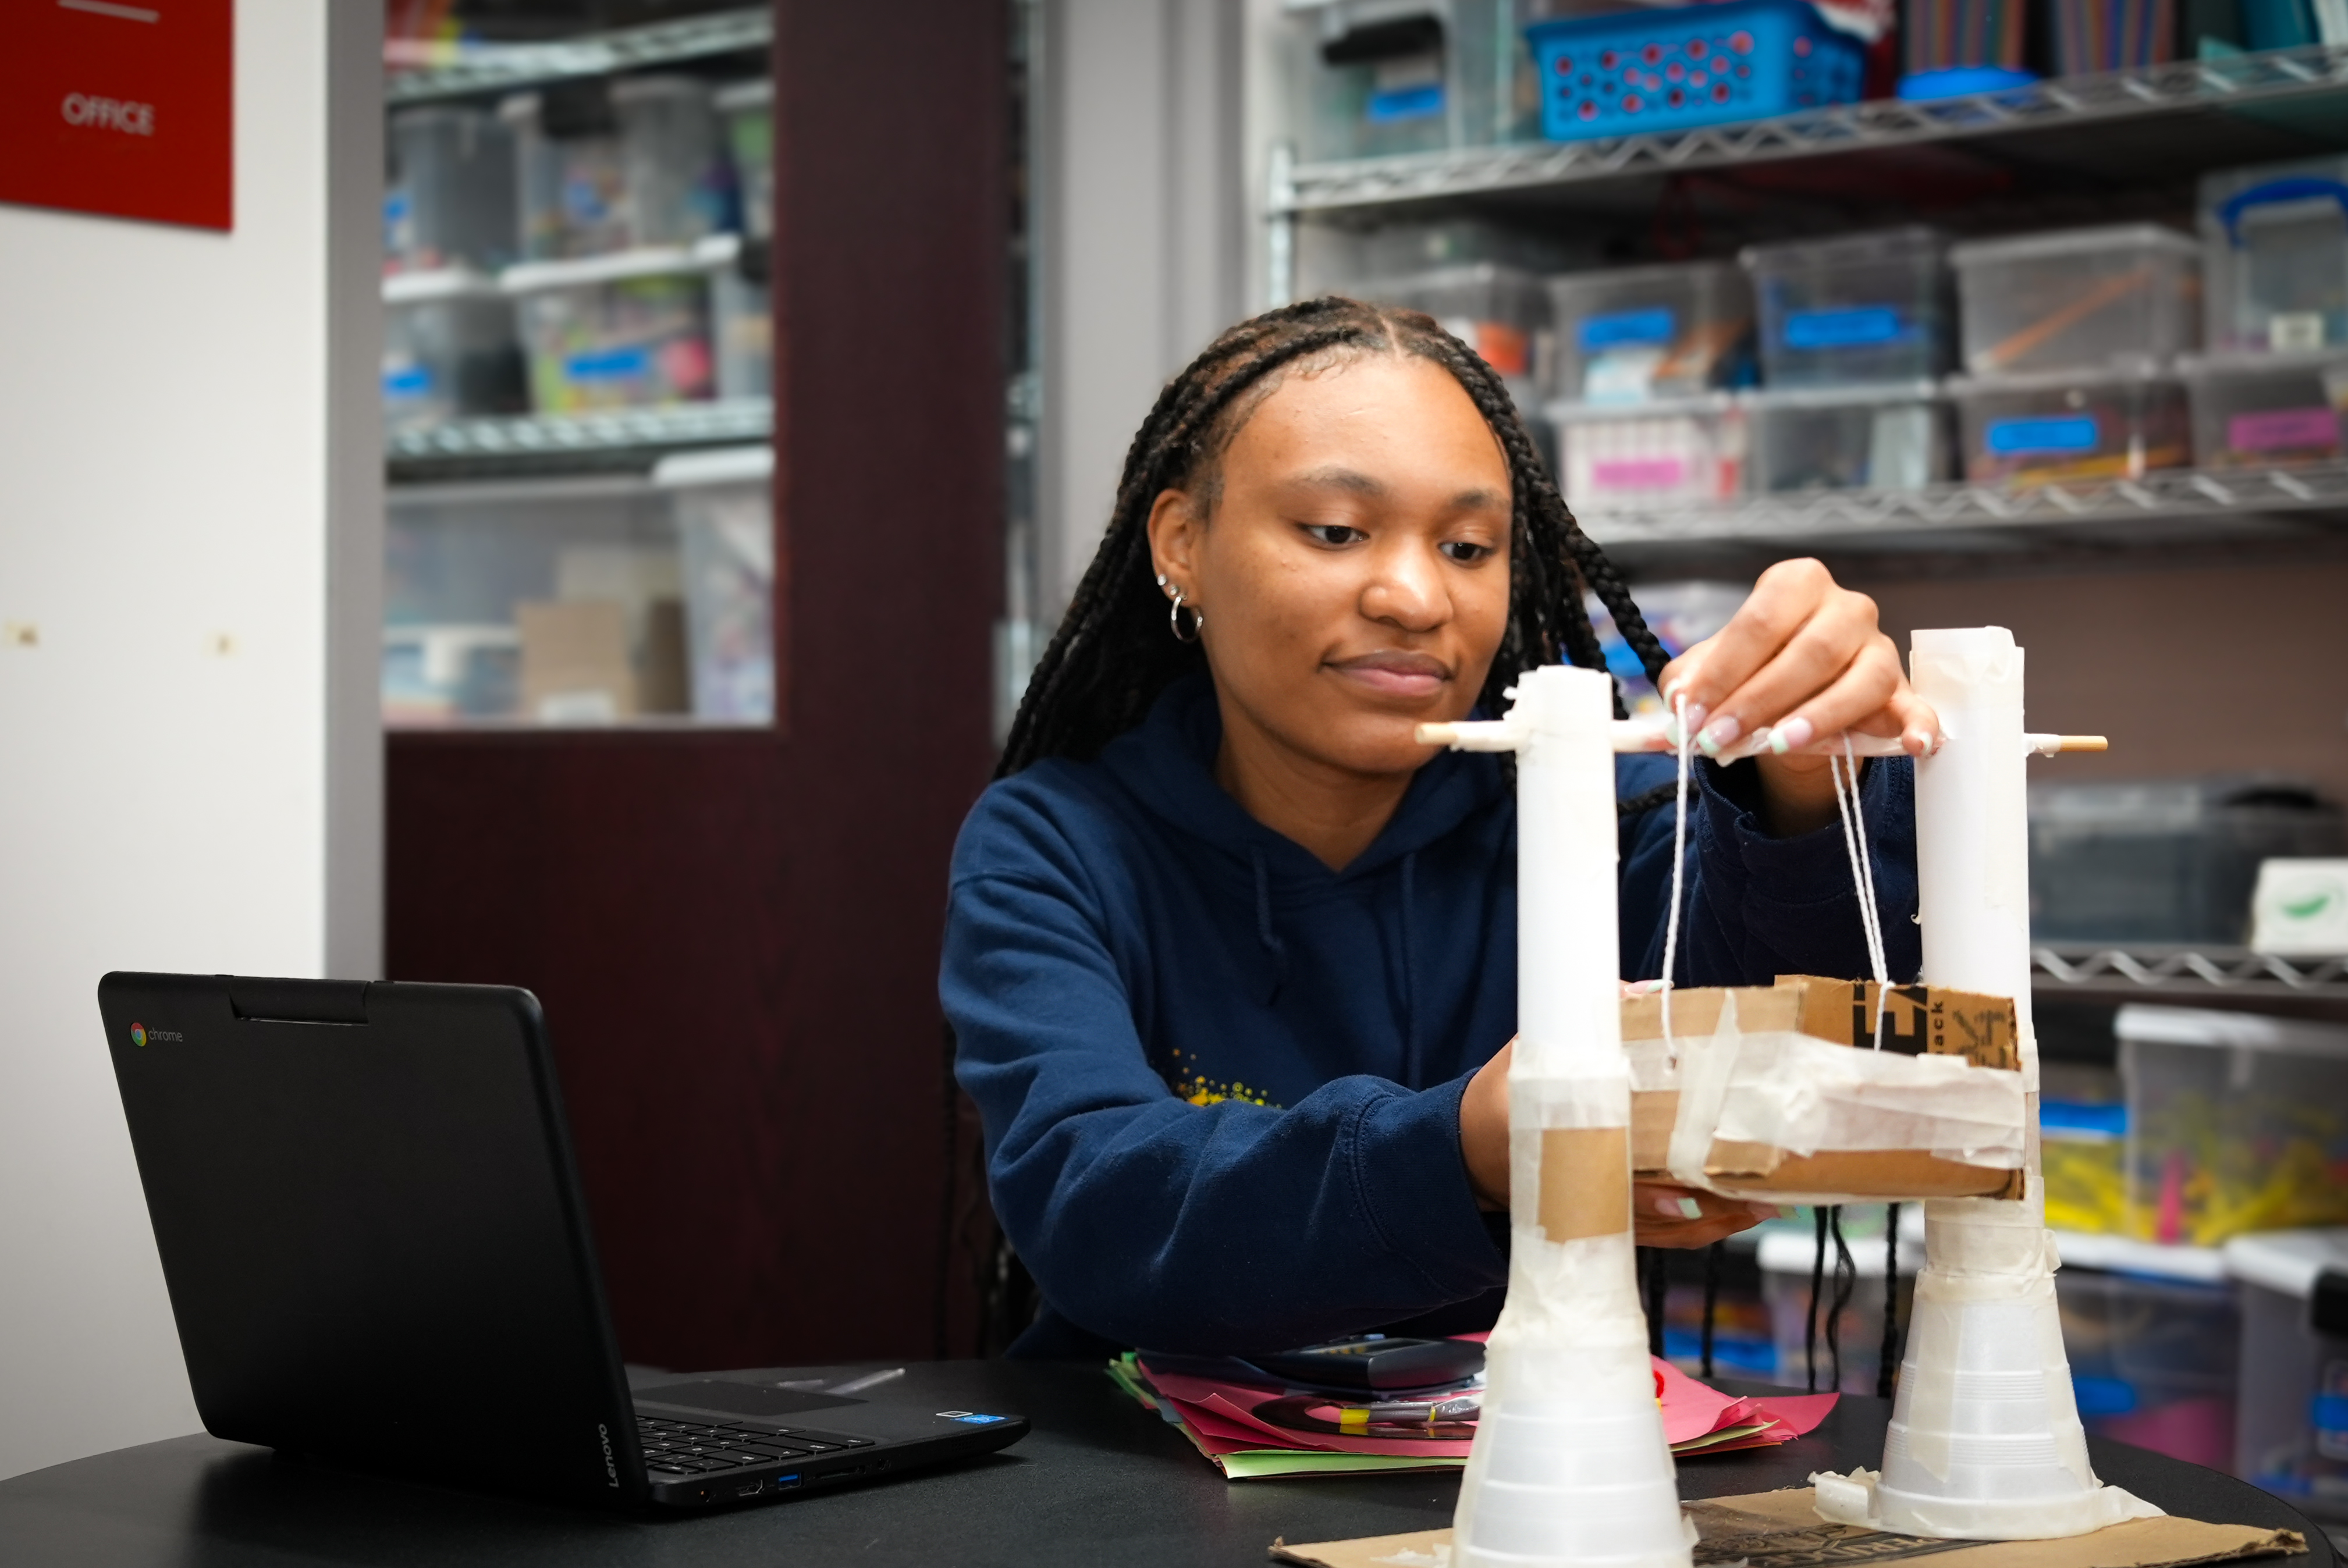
740, 1399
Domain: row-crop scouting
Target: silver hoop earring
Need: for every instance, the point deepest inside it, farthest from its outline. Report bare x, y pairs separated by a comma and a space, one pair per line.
1174, 619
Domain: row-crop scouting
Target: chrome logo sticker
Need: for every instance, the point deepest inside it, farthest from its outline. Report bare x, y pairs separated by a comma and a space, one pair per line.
138, 1034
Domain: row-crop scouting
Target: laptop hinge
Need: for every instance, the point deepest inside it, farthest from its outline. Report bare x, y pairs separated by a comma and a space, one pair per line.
299, 1002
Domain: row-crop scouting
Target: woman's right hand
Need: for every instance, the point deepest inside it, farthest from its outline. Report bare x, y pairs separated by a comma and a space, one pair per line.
1659, 1212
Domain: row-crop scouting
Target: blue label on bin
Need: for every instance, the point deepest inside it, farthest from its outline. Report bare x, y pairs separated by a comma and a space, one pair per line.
609, 365
1419, 102
1623, 329
2329, 1413
2073, 1116
2103, 1396
1854, 326
2062, 433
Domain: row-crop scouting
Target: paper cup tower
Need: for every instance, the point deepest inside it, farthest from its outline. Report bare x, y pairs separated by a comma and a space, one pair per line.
1986, 1441
1569, 1466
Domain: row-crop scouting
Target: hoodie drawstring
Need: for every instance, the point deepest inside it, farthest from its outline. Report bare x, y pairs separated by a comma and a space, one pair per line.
1264, 933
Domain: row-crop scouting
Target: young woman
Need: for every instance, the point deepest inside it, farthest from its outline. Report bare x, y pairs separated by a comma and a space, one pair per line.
1231, 956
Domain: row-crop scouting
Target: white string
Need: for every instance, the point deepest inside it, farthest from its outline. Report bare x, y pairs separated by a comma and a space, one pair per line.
1679, 864
1862, 874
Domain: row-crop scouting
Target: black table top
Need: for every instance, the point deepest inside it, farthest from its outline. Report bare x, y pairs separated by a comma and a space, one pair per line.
1100, 1480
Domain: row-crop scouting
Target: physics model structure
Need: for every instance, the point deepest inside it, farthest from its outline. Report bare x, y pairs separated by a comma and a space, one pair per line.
1775, 1098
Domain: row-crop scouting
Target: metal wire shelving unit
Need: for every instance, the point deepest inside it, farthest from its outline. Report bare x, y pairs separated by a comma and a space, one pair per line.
500, 68
2185, 973
2186, 502
2065, 105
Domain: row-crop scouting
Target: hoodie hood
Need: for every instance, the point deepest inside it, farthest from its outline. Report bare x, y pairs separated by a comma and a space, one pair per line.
1167, 764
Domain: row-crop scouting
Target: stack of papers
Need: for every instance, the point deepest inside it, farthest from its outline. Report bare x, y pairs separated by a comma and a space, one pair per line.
1248, 1426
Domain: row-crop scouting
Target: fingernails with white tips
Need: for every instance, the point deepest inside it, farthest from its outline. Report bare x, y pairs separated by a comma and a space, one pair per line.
1720, 733
1790, 736
1680, 1208
1694, 718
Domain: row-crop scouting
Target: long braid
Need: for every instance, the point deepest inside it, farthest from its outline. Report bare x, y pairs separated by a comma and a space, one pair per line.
1112, 655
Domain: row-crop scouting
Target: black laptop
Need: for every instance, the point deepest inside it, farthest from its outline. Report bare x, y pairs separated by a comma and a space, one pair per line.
372, 1232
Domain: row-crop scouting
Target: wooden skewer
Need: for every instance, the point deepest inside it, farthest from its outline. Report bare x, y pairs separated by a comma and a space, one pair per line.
1647, 735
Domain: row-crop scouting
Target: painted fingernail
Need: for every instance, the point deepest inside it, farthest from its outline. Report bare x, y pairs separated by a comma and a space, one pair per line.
1722, 732
1790, 736
1681, 1208
1693, 718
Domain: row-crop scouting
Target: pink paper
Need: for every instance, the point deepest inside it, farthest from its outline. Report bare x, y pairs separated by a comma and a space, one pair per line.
1222, 1416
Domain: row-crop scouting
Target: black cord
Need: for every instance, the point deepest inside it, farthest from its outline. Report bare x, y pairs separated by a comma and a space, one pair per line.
1846, 1275
1655, 1277
1712, 1256
1810, 1318
1889, 1367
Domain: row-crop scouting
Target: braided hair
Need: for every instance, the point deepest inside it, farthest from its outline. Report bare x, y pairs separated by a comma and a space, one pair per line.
1113, 655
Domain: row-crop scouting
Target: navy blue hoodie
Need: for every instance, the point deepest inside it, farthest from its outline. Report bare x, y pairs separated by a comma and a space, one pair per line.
1220, 1082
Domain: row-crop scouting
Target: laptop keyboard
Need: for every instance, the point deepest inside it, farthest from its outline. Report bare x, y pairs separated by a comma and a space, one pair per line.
693, 1448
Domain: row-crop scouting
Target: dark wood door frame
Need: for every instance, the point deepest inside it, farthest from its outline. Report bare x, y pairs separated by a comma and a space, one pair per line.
735, 934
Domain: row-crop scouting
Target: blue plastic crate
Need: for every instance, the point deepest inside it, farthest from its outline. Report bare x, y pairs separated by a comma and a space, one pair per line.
1628, 72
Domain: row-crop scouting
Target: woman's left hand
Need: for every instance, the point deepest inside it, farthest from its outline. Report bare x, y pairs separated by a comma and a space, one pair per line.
1801, 662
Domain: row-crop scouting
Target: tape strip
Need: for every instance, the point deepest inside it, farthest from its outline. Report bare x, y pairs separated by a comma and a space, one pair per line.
1585, 1182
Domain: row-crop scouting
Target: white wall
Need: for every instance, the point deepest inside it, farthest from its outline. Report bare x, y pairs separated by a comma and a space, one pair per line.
191, 548
1144, 231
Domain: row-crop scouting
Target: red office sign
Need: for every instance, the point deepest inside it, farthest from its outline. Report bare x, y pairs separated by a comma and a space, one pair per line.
120, 107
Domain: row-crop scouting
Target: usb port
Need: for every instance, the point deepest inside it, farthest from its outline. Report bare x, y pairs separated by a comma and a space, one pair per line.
784, 1483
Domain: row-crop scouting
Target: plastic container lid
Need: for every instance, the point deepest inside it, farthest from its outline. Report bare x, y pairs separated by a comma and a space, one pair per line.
1770, 399
1705, 402
2286, 1262
636, 90
2219, 366
2131, 370
2238, 1030
1913, 243
2125, 1254
2066, 243
747, 95
1614, 278
722, 466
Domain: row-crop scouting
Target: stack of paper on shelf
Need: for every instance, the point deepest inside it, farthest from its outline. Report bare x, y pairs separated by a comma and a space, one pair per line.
1252, 1427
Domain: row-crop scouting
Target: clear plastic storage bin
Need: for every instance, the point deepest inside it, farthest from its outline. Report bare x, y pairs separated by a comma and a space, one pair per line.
531, 601
1833, 438
2080, 297
2154, 1362
1366, 78
571, 170
725, 522
449, 350
1499, 311
2172, 860
680, 180
1864, 308
2256, 410
2276, 239
1638, 334
449, 199
742, 326
1657, 454
2118, 422
748, 109
2291, 1430
628, 342
2237, 1122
